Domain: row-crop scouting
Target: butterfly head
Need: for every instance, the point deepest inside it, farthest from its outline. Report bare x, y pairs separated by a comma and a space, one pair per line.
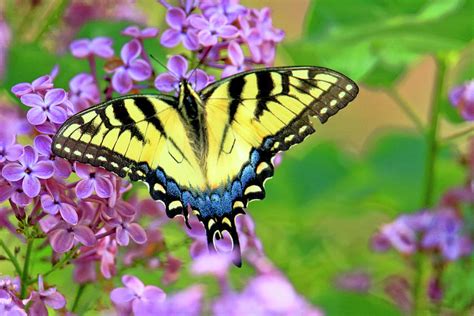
189, 100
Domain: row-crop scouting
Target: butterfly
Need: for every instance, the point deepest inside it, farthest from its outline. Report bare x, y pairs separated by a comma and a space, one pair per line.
209, 152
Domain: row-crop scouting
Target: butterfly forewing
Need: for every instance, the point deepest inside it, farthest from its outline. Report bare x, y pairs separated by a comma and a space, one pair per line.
131, 136
268, 109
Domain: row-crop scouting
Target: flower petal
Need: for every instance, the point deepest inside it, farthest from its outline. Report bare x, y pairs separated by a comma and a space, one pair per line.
149, 32
175, 17
84, 235
61, 240
43, 145
43, 169
31, 186
84, 188
55, 300
62, 167
82, 170
199, 79
170, 38
21, 89
36, 116
55, 97
139, 70
166, 82
153, 293
47, 202
13, 172
80, 48
133, 283
68, 213
121, 295
132, 31
57, 114
206, 38
130, 51
103, 187
121, 81
178, 65
32, 100
121, 236
199, 22
137, 233
236, 54
30, 157
102, 47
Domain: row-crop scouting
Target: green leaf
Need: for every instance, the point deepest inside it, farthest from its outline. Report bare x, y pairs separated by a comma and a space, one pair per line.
382, 37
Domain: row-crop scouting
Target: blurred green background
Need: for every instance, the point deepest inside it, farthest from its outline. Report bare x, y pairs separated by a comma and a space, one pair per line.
360, 170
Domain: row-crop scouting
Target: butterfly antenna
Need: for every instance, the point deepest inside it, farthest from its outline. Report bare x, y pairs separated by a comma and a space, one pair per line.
162, 65
201, 61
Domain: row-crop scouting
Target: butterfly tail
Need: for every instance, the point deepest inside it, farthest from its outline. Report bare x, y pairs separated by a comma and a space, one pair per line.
215, 228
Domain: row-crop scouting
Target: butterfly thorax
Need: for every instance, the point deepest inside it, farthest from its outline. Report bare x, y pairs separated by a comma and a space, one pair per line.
193, 114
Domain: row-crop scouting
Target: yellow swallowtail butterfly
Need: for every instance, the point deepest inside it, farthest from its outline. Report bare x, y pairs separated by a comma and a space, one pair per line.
210, 151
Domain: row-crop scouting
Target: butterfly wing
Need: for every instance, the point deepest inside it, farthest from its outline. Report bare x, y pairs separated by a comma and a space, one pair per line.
141, 136
252, 116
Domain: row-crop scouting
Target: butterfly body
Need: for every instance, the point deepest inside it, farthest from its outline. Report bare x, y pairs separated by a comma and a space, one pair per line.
207, 153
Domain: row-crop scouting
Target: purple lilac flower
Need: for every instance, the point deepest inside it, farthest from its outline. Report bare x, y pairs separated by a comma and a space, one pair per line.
229, 8
216, 264
260, 35
125, 229
83, 92
180, 30
99, 46
92, 179
354, 281
50, 107
56, 202
45, 297
445, 233
136, 297
187, 302
62, 167
210, 30
133, 69
178, 65
107, 251
135, 32
40, 86
14, 191
462, 97
9, 150
10, 304
236, 57
29, 170
268, 294
12, 120
172, 269
63, 236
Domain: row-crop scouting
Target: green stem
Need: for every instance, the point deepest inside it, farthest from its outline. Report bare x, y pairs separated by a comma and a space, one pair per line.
467, 132
80, 291
432, 151
59, 264
26, 267
431, 137
11, 257
407, 109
